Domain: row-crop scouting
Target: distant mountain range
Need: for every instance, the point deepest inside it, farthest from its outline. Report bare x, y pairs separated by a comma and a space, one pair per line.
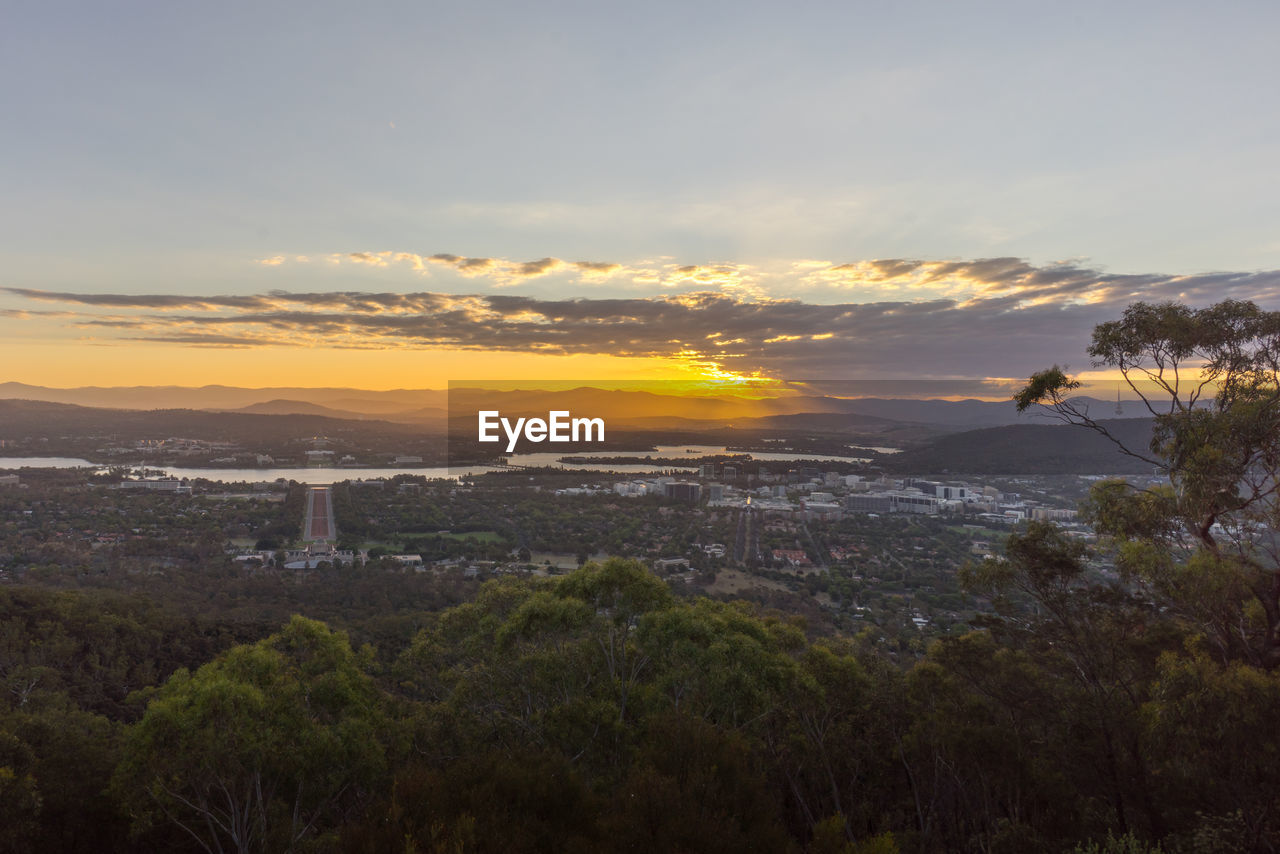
426, 416
633, 409
41, 418
935, 448
219, 397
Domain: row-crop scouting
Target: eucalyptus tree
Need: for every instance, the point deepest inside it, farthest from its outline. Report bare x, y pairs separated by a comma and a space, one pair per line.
268, 746
1205, 541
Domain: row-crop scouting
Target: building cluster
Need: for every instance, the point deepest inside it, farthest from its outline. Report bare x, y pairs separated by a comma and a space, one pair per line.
809, 494
157, 484
798, 558
324, 458
666, 487
305, 558
173, 446
317, 554
208, 451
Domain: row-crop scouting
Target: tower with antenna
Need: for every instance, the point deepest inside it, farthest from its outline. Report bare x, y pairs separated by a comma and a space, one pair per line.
1119, 408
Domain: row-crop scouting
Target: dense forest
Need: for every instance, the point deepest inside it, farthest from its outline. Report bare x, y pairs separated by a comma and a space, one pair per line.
598, 711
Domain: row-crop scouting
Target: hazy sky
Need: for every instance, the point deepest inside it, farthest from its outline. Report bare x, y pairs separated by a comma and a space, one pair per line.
638, 153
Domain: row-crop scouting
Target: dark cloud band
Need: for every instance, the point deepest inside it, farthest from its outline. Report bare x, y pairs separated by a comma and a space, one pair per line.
1015, 318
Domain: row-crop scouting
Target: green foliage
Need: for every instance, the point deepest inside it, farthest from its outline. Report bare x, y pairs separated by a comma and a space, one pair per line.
1126, 844
261, 748
1118, 510
1039, 562
72, 755
19, 794
719, 663
694, 787
1211, 380
997, 722
620, 589
489, 801
1046, 386
1209, 722
1215, 833
883, 843
606, 669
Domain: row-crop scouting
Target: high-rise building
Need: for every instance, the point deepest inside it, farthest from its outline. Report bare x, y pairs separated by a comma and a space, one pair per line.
682, 490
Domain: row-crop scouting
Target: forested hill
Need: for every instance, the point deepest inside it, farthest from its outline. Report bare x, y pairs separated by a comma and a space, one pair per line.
605, 711
1029, 449
23, 417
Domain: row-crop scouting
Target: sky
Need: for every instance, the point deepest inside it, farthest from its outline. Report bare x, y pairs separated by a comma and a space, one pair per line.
397, 195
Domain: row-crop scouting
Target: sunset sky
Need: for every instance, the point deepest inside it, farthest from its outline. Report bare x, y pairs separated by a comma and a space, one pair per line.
396, 195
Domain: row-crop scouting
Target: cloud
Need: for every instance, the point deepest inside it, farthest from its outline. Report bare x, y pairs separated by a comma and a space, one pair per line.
864, 281
27, 314
505, 273
1060, 283
474, 266
597, 268
540, 267
996, 317
142, 300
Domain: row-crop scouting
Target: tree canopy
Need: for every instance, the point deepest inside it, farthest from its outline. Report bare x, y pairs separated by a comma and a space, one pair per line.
260, 748
1207, 543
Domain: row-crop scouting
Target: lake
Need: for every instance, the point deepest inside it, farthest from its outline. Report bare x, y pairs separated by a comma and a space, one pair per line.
324, 476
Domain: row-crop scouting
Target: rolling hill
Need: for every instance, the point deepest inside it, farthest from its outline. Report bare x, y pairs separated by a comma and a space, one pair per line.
1029, 449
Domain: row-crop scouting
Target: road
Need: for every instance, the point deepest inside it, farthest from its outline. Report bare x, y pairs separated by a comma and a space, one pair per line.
319, 519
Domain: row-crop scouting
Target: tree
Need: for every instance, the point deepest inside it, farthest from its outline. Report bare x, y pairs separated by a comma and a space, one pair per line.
695, 787
1211, 729
1206, 543
72, 754
621, 592
19, 794
1095, 645
265, 746
719, 662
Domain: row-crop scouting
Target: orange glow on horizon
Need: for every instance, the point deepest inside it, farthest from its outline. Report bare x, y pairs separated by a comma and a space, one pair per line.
71, 364
62, 364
